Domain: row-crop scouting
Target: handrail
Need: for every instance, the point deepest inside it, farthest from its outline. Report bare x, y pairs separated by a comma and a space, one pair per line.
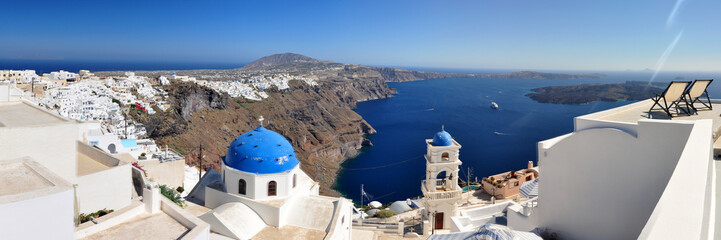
440, 195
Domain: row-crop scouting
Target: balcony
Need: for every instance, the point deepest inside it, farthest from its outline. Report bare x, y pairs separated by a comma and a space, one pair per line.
440, 190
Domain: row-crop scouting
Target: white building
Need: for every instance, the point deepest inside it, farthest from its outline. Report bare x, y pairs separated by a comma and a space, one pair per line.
62, 75
19, 76
32, 196
625, 173
56, 143
49, 175
440, 188
262, 192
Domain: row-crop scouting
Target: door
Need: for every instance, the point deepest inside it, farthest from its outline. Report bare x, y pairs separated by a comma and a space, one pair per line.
439, 220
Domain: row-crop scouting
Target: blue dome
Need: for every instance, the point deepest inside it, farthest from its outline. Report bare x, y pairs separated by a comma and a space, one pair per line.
442, 139
261, 151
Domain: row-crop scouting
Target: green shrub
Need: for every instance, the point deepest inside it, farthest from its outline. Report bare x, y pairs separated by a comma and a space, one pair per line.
171, 194
86, 217
385, 213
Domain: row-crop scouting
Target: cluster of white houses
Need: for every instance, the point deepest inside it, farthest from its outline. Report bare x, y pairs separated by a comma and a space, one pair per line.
252, 87
54, 169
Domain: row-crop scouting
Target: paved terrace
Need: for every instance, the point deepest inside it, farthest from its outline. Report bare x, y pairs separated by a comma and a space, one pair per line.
145, 226
636, 111
24, 178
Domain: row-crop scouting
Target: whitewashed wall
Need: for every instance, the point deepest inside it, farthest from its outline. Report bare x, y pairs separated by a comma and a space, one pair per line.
257, 185
53, 146
603, 183
686, 207
45, 217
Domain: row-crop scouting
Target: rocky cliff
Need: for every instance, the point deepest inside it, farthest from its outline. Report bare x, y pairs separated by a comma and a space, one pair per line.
318, 121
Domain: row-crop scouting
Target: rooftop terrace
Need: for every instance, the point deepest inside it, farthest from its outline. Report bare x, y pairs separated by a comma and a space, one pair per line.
159, 226
21, 114
634, 112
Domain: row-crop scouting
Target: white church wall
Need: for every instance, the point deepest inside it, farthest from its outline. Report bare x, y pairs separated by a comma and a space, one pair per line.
198, 228
435, 152
340, 226
603, 183
52, 213
269, 214
257, 185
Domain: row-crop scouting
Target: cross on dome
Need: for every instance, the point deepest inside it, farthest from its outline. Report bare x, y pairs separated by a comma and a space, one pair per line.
260, 119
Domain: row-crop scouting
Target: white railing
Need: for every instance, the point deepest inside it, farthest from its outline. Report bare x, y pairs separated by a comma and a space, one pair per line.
529, 206
440, 194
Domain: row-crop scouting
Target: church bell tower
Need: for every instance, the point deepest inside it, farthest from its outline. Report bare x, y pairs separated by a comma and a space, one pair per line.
440, 187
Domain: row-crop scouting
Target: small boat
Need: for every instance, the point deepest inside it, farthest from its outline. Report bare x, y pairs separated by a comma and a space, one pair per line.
494, 105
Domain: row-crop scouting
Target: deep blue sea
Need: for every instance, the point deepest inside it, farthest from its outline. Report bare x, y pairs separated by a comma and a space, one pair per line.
420, 108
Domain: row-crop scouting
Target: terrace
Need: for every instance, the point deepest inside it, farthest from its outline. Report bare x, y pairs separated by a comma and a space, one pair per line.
626, 118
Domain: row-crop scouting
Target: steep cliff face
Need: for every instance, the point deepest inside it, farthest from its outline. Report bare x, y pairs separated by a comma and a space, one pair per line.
318, 121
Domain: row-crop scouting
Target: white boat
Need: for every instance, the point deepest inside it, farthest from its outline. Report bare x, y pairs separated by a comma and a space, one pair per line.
494, 105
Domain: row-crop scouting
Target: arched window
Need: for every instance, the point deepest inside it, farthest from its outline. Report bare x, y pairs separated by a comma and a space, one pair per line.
241, 186
295, 179
445, 156
272, 186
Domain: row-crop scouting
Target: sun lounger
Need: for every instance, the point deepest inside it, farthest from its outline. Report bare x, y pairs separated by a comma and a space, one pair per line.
695, 91
672, 96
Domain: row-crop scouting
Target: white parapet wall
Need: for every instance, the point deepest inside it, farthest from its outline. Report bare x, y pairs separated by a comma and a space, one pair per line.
472, 218
686, 206
604, 181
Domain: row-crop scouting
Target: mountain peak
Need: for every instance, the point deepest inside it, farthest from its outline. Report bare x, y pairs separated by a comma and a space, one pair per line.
280, 59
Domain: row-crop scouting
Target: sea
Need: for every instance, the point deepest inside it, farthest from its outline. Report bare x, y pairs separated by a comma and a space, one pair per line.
493, 141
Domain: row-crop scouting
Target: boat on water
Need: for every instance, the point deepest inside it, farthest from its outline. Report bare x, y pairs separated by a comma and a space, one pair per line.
494, 105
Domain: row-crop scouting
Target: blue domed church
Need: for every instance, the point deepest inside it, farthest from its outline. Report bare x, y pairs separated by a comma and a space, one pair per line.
261, 192
261, 164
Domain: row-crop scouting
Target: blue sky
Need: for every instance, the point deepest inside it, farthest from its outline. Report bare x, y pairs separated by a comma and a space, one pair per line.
479, 34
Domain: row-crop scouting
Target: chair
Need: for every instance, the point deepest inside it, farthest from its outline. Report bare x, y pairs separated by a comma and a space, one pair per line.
695, 91
672, 96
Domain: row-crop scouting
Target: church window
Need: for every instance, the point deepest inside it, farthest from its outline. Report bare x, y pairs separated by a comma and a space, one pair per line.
272, 188
295, 179
445, 156
241, 186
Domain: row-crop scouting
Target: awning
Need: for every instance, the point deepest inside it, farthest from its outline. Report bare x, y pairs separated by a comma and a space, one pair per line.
530, 189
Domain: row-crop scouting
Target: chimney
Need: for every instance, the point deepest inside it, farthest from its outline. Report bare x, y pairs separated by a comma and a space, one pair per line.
151, 198
530, 164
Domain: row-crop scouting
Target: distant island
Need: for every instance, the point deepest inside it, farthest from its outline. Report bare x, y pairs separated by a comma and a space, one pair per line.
586, 93
541, 75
